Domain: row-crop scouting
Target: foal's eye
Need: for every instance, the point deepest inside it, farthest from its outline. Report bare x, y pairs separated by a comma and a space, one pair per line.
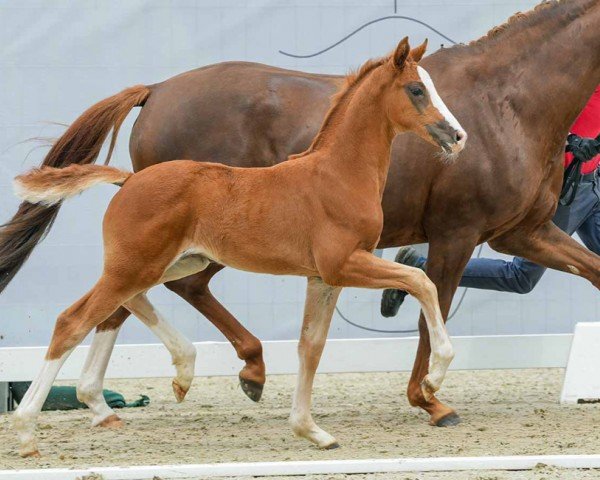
416, 91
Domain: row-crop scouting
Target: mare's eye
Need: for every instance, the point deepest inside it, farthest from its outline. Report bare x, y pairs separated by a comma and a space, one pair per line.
416, 91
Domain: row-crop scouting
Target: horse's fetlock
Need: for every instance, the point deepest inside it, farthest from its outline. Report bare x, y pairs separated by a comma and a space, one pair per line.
250, 349
87, 392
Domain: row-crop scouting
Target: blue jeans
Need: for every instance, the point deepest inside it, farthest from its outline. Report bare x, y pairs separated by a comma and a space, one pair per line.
521, 275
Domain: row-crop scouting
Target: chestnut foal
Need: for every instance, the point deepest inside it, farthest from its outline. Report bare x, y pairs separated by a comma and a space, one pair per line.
318, 215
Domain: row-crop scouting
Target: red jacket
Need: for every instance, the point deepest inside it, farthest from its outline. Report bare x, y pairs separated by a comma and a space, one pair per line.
587, 125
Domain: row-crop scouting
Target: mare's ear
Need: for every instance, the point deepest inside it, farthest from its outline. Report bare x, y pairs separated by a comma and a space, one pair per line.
401, 54
417, 53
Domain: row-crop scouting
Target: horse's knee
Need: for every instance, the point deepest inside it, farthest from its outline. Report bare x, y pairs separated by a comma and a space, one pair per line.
422, 286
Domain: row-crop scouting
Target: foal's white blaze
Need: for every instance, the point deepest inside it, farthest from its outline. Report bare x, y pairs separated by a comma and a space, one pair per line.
441, 106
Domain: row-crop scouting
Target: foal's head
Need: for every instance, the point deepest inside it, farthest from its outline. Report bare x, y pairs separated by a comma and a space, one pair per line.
414, 105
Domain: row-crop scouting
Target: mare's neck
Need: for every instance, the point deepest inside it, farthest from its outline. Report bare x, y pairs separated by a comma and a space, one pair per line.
546, 72
356, 144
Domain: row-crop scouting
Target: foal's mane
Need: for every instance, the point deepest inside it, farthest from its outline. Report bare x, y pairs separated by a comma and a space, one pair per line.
341, 98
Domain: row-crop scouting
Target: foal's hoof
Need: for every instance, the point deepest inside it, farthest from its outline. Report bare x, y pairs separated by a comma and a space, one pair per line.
450, 420
30, 454
331, 446
111, 422
179, 391
252, 389
391, 301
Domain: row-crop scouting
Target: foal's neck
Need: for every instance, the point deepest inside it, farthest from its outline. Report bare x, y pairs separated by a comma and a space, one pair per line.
356, 142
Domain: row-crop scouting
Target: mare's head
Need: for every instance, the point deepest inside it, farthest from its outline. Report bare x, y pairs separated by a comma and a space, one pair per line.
414, 104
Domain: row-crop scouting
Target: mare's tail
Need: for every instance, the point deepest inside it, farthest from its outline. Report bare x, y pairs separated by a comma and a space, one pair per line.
80, 144
49, 186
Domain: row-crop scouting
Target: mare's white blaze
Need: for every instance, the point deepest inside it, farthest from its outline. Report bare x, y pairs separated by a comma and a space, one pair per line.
181, 349
439, 103
26, 414
89, 388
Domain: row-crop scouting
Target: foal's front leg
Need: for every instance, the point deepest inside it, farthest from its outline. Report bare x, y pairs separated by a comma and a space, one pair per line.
363, 269
318, 309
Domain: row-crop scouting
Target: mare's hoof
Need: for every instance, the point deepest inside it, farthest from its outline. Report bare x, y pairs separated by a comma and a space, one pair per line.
111, 422
450, 420
179, 391
252, 389
332, 446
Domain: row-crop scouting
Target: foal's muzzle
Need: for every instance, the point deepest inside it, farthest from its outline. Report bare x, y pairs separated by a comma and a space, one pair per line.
450, 139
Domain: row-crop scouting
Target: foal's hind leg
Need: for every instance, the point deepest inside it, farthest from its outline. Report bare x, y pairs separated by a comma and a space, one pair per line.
194, 289
182, 350
71, 328
318, 309
89, 388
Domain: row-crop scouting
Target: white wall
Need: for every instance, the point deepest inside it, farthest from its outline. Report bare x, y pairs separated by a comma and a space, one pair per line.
58, 57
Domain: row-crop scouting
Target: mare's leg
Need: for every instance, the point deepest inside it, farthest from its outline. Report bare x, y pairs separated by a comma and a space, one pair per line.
71, 328
194, 289
318, 309
549, 246
89, 388
182, 350
445, 264
362, 269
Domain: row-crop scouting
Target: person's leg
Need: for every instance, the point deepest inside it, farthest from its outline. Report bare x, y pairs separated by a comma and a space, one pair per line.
521, 275
589, 230
517, 276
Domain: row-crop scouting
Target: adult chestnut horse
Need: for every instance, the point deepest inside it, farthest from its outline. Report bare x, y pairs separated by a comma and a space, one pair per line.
516, 90
207, 212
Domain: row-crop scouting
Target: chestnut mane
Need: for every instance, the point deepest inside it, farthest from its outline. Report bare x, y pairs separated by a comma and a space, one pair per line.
518, 19
340, 98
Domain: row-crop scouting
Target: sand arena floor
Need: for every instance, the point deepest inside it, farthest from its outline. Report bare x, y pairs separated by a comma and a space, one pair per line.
505, 412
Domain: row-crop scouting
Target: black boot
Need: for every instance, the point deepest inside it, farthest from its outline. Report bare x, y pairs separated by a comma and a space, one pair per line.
392, 299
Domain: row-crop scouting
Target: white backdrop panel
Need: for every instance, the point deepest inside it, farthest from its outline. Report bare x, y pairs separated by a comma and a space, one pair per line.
59, 57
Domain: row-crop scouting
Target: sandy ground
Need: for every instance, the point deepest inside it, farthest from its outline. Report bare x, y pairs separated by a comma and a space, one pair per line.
504, 413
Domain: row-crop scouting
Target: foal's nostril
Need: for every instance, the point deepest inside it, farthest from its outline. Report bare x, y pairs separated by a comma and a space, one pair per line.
458, 136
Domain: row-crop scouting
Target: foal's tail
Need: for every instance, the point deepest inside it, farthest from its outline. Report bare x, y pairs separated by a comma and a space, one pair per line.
80, 144
49, 186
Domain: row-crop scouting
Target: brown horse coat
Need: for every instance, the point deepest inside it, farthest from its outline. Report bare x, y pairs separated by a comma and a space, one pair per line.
517, 91
250, 218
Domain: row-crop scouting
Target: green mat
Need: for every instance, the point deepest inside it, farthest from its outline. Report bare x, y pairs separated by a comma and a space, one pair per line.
65, 398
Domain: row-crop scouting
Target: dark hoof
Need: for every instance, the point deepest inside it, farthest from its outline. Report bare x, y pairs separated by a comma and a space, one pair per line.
391, 301
450, 420
333, 446
253, 390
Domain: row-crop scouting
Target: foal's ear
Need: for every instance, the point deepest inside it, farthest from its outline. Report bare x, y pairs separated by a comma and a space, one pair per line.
401, 53
417, 53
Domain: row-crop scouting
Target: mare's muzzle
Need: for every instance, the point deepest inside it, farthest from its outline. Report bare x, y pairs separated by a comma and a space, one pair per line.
446, 136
